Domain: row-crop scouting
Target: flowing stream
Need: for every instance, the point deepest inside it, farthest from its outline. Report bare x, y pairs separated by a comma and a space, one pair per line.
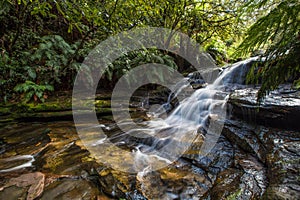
164, 140
208, 143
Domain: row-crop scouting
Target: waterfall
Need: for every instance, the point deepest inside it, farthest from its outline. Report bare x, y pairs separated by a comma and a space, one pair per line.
160, 141
237, 72
192, 114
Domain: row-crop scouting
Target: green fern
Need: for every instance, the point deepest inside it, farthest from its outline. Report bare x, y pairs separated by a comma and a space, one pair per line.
136, 58
30, 89
278, 34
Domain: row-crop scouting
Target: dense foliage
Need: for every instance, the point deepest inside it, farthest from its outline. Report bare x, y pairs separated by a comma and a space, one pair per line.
43, 42
278, 34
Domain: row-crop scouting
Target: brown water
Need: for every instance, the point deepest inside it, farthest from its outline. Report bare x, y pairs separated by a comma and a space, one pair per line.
246, 163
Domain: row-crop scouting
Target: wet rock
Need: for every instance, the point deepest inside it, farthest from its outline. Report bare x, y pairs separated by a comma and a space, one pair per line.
64, 154
116, 183
68, 160
13, 193
279, 109
70, 190
16, 163
218, 159
151, 185
246, 137
253, 182
53, 148
35, 181
226, 185
283, 164
196, 80
248, 162
246, 179
24, 140
135, 195
185, 181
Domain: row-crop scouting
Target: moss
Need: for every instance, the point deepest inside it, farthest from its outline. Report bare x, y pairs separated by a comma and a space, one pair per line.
60, 107
235, 195
103, 111
51, 106
53, 163
36, 107
4, 111
58, 104
102, 104
103, 97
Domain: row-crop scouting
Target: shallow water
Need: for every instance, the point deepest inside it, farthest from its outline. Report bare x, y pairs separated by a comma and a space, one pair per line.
246, 161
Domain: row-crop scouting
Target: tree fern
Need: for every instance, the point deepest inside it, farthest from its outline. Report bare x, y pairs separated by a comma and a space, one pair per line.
278, 34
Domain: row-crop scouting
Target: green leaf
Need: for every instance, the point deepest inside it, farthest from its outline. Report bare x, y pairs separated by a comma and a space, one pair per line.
297, 84
158, 59
31, 73
29, 96
39, 94
49, 87
19, 88
70, 28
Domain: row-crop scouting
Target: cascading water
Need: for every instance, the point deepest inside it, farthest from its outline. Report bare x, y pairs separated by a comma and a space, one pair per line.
236, 75
158, 142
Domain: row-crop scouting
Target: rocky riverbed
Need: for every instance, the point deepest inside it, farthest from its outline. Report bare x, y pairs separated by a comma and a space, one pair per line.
256, 156
253, 159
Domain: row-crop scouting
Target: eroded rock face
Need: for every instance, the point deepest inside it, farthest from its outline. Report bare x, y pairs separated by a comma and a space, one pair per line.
281, 109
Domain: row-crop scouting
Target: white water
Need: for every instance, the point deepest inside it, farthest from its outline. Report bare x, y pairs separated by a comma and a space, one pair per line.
175, 133
29, 158
161, 141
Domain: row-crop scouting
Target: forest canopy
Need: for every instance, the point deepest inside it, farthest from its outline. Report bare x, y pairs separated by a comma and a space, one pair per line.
43, 42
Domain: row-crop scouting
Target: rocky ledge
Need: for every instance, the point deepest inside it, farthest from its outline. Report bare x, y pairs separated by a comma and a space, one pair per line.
280, 109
